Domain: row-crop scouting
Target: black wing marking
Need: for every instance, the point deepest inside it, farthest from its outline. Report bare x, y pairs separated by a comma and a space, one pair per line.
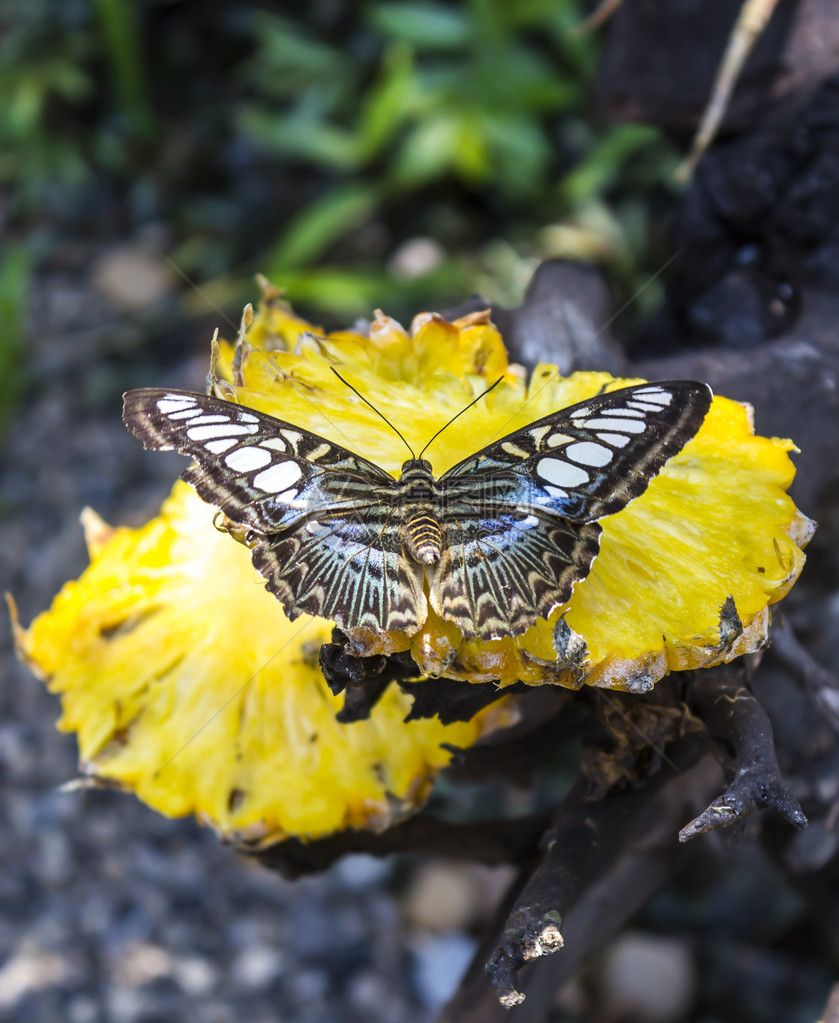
318, 517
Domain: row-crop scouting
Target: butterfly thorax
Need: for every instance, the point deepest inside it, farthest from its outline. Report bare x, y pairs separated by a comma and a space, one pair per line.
423, 535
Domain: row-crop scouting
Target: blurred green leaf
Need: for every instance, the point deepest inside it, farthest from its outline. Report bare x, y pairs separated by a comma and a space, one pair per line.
347, 293
289, 59
520, 152
604, 163
37, 71
299, 137
432, 26
320, 224
123, 44
391, 101
441, 142
15, 277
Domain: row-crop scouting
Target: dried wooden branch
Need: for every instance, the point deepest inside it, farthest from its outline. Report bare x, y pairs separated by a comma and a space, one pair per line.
491, 842
738, 722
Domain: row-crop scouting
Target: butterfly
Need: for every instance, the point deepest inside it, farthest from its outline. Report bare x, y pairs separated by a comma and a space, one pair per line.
499, 540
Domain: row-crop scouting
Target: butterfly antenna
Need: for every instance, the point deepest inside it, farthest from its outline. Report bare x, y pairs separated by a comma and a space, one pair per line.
373, 407
445, 426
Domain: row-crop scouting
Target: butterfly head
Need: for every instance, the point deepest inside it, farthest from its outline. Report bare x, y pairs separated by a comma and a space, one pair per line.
416, 484
416, 468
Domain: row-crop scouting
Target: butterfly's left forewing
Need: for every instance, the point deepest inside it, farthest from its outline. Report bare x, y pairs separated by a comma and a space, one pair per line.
521, 514
319, 518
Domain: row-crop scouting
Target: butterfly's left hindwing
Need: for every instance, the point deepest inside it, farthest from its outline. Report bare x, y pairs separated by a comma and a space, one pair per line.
318, 517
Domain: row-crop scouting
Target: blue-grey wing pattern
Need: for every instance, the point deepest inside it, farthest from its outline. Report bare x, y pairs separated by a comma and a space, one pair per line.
318, 518
520, 516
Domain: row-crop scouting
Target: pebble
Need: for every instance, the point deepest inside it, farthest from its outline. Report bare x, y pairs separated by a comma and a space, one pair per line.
439, 964
195, 976
132, 277
256, 967
447, 896
416, 257
648, 979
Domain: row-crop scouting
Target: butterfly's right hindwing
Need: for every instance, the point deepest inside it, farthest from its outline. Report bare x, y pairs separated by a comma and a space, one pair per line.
319, 518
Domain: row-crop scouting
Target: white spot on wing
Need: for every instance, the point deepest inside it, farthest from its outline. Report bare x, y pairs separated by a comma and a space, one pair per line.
627, 425
628, 412
588, 453
189, 413
246, 417
207, 419
174, 403
216, 447
580, 412
655, 394
275, 444
286, 495
278, 477
618, 440
561, 473
247, 459
222, 430
514, 450
645, 406
556, 492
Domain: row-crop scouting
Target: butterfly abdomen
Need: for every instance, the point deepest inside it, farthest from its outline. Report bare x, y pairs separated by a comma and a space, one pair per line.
423, 533
424, 538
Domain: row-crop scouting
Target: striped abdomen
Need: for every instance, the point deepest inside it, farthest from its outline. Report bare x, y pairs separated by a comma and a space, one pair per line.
424, 537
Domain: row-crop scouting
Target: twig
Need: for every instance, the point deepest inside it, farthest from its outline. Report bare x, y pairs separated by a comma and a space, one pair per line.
584, 838
599, 16
753, 18
489, 842
737, 721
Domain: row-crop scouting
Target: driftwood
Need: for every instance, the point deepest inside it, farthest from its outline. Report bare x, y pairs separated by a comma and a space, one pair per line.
709, 759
